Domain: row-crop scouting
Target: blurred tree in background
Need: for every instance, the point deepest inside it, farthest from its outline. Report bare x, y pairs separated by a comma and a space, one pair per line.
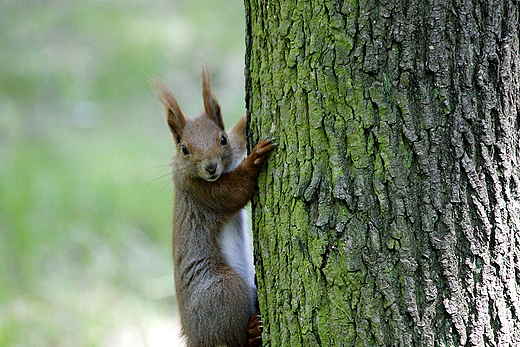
85, 190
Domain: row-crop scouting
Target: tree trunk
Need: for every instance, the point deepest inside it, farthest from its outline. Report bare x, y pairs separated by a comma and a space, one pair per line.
389, 214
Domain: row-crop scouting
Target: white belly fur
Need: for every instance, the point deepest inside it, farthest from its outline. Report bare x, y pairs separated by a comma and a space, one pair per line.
235, 244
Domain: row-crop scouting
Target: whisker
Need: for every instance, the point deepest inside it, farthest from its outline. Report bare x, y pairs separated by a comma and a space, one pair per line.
154, 167
159, 178
165, 185
159, 181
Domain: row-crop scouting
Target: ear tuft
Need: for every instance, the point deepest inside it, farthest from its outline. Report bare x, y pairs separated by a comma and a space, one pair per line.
211, 105
174, 115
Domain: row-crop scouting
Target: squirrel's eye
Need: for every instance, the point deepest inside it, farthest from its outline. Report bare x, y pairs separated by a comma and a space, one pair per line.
184, 150
223, 140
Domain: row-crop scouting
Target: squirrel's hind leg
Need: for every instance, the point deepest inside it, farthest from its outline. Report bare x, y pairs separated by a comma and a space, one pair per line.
254, 330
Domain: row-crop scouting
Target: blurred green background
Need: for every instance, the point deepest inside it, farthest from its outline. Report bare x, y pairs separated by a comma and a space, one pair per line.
85, 189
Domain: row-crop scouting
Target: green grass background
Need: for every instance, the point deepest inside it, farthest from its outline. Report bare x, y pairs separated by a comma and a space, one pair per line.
85, 190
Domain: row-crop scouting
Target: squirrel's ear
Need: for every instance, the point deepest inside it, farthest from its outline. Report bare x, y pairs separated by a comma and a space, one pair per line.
237, 136
211, 105
174, 115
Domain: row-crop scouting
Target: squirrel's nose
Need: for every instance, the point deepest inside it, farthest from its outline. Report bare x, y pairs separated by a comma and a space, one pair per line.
211, 168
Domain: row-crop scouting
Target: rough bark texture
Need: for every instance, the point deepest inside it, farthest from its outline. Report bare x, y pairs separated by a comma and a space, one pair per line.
389, 214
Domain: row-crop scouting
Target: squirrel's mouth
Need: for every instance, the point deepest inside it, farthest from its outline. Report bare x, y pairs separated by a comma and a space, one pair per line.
213, 178
210, 171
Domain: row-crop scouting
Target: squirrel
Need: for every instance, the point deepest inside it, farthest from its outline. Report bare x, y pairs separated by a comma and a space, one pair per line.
213, 268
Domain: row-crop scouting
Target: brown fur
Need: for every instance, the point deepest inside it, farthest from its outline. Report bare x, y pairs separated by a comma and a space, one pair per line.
215, 303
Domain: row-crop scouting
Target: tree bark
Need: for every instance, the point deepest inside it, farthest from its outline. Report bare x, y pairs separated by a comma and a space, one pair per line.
389, 214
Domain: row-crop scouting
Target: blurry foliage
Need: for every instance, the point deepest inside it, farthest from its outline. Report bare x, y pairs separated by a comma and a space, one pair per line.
85, 191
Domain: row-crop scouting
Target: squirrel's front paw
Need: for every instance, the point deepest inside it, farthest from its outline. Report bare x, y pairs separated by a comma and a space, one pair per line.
261, 148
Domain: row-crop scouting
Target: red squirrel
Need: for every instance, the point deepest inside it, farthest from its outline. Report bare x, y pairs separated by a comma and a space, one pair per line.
214, 274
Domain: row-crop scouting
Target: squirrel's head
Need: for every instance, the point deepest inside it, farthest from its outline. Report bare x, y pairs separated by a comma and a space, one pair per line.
203, 148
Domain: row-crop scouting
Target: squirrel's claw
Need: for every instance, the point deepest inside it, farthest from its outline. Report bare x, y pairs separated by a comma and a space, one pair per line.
264, 146
255, 331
